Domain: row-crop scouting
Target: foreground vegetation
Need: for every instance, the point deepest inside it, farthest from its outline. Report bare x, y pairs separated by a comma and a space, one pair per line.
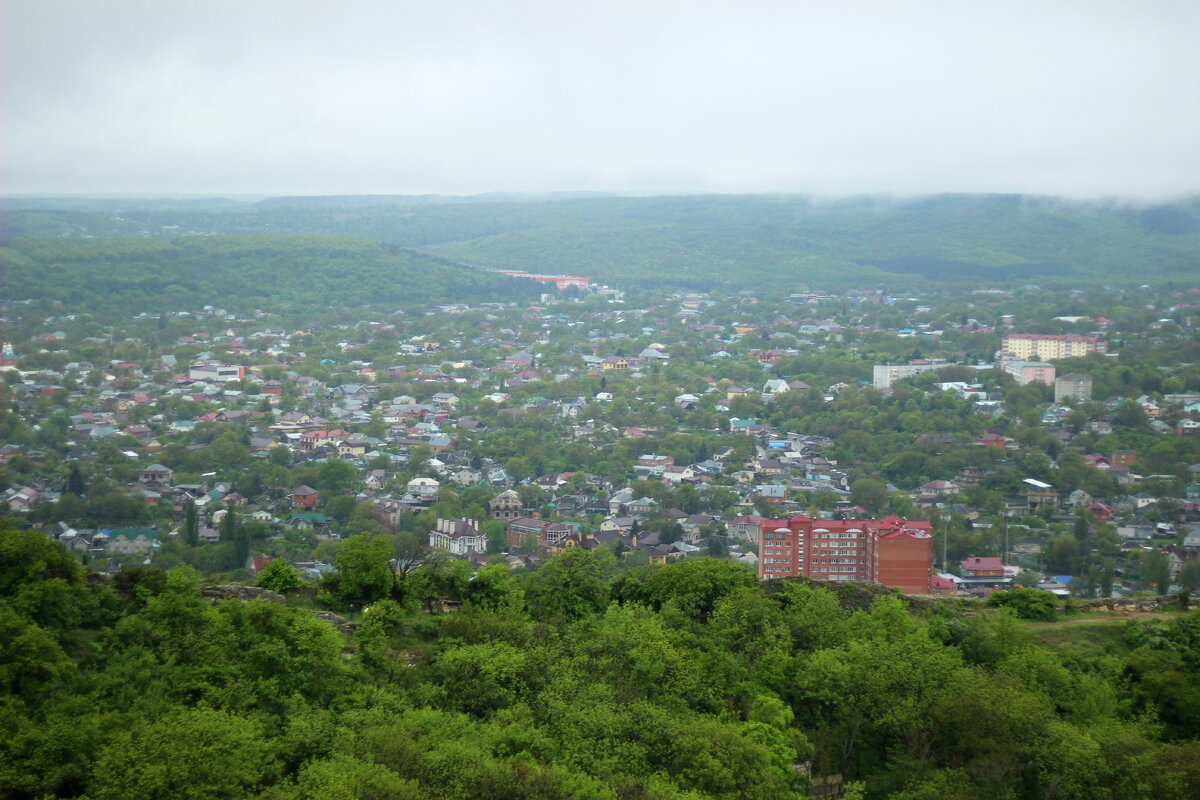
681, 681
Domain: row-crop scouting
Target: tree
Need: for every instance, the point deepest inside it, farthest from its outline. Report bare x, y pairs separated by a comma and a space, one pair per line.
227, 527
188, 753
869, 493
1130, 415
1189, 575
75, 482
191, 525
695, 585
419, 458
279, 576
340, 507
241, 547
364, 570
335, 477
31, 660
409, 555
1156, 570
572, 584
718, 546
1027, 603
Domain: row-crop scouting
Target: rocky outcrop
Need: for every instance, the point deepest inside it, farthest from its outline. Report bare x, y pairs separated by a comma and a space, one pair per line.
333, 619
216, 594
238, 592
1124, 605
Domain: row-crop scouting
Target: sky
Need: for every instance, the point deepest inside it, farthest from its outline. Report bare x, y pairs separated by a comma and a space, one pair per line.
1090, 99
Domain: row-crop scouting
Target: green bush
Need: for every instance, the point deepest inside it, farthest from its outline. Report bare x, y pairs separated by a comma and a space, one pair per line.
1027, 603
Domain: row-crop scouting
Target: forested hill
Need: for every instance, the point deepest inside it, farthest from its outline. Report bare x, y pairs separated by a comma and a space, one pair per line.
685, 681
709, 241
130, 275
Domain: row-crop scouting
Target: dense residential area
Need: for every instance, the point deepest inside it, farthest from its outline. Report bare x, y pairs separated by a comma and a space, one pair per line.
660, 426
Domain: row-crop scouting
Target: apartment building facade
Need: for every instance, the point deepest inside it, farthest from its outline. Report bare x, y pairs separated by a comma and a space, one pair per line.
883, 376
890, 551
1046, 347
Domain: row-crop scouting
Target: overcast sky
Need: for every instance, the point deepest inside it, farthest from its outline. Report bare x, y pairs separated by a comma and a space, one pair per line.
1086, 99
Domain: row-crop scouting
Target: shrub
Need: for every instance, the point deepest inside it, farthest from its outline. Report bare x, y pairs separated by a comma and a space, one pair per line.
1027, 603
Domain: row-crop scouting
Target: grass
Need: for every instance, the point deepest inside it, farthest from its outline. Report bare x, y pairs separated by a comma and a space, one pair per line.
1082, 638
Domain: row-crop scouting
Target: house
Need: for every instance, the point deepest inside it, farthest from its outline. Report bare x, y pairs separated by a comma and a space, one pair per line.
259, 563
642, 505
155, 475
507, 505
1029, 546
982, 573
1124, 458
943, 584
655, 463
619, 502
547, 535
304, 497
1191, 539
940, 487
22, 500
614, 362
774, 493
677, 475
130, 540
745, 528
425, 489
617, 524
466, 476
459, 537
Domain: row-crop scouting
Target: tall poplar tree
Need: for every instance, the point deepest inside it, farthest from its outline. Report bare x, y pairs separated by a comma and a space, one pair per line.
191, 525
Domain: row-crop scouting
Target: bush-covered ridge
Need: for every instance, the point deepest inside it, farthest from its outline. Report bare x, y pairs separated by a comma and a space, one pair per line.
682, 681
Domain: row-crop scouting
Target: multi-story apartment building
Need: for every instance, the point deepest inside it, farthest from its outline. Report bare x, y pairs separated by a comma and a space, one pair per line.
890, 551
885, 375
1045, 347
1026, 372
1073, 386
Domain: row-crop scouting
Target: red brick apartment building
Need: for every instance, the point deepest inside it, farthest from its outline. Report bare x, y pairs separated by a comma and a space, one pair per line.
891, 551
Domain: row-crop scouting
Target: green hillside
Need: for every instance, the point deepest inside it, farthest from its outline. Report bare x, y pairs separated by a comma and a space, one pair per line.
122, 274
706, 241
787, 241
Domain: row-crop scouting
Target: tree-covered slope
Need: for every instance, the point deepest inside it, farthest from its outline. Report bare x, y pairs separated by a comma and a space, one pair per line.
130, 275
678, 682
738, 241
795, 242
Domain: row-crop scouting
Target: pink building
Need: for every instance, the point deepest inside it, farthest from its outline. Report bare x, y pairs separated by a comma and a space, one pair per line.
1026, 372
